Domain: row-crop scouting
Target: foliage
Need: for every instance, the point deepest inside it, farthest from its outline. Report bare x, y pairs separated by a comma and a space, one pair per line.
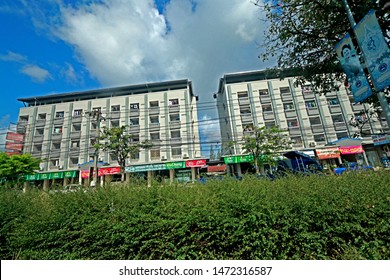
264, 144
14, 166
120, 144
327, 217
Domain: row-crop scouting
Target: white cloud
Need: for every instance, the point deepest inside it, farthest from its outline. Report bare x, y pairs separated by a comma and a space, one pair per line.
13, 57
36, 73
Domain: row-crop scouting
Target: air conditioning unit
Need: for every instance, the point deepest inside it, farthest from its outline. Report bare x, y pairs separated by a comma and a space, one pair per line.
312, 144
60, 167
185, 156
163, 158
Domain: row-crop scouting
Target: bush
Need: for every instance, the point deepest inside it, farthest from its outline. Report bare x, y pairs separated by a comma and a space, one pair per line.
327, 217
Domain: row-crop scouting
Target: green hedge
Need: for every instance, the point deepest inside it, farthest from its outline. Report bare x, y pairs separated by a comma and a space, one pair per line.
327, 217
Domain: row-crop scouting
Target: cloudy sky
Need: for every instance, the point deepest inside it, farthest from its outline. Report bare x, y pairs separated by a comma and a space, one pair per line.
61, 46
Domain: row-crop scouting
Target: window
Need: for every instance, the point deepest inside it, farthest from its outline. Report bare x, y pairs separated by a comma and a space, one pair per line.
311, 104
115, 108
23, 118
57, 130
134, 138
77, 113
134, 106
60, 114
269, 124
56, 146
176, 151
134, 155
297, 140
115, 123
94, 125
292, 123
267, 108
42, 116
341, 135
154, 120
173, 102
288, 106
315, 121
134, 121
307, 89
175, 134
54, 162
37, 148
285, 90
153, 104
337, 118
245, 110
76, 127
75, 144
73, 161
333, 101
155, 154
155, 136
242, 94
263, 92
40, 131
97, 109
319, 137
113, 157
174, 117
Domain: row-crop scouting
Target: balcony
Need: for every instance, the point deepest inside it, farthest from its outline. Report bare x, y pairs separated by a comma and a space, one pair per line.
265, 99
287, 97
154, 110
290, 113
334, 109
59, 121
176, 140
115, 115
38, 138
246, 119
357, 107
55, 153
174, 108
340, 126
134, 113
56, 136
134, 128
313, 111
317, 128
175, 125
294, 131
77, 119
268, 116
243, 101
154, 126
75, 134
40, 122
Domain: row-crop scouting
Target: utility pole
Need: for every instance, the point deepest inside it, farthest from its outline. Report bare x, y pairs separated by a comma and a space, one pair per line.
96, 114
381, 96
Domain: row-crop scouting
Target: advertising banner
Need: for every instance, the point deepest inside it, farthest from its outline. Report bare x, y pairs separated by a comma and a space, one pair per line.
13, 146
175, 165
237, 159
196, 163
102, 171
14, 136
351, 150
375, 50
328, 153
147, 167
380, 139
350, 63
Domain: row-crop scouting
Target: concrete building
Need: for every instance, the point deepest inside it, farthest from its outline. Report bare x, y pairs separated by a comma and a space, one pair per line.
59, 130
311, 121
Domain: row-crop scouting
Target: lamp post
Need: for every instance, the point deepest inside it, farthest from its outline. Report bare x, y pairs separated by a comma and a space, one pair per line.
381, 96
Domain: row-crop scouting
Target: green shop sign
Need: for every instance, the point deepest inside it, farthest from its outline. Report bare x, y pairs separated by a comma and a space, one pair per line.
175, 165
237, 159
52, 175
143, 168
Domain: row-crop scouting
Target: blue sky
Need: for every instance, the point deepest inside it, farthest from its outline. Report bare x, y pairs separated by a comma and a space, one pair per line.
59, 46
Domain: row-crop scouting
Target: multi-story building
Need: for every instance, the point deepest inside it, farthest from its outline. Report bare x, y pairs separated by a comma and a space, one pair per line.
60, 130
311, 121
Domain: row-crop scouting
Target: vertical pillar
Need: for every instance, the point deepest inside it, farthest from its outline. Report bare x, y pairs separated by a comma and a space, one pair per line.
365, 157
127, 177
193, 173
65, 181
26, 186
150, 178
46, 184
238, 168
171, 175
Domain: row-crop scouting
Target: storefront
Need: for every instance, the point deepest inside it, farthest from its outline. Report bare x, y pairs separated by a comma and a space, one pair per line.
382, 143
329, 157
239, 164
104, 173
50, 179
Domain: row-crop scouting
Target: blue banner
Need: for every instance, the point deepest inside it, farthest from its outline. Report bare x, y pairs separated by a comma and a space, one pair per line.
375, 50
353, 69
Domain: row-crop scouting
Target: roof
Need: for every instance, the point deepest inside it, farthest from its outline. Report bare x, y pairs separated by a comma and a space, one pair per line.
110, 92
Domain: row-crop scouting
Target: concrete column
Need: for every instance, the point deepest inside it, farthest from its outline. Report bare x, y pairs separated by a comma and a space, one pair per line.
172, 175
238, 168
26, 186
365, 157
193, 173
340, 161
150, 178
66, 180
46, 184
127, 177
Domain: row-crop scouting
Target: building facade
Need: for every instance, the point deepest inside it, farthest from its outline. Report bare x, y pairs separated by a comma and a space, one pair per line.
311, 121
60, 129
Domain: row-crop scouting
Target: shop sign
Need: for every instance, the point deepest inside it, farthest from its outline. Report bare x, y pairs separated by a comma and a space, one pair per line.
326, 153
14, 136
70, 174
196, 163
238, 159
381, 139
175, 165
13, 146
351, 150
216, 168
51, 175
32, 177
102, 172
143, 168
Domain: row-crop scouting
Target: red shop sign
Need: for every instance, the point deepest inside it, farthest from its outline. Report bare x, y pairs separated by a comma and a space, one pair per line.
351, 150
102, 172
196, 163
14, 136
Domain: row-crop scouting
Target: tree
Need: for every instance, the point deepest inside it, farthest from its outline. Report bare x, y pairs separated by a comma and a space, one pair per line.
302, 35
13, 167
264, 144
120, 144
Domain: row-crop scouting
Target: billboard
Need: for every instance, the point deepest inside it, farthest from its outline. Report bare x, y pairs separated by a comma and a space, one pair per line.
350, 63
14, 136
13, 146
375, 50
